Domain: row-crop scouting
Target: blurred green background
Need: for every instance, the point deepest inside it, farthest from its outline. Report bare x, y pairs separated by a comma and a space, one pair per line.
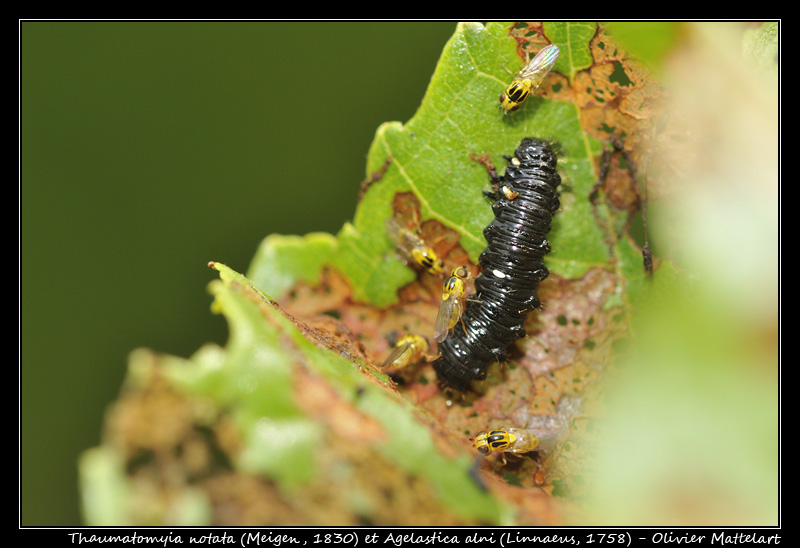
151, 148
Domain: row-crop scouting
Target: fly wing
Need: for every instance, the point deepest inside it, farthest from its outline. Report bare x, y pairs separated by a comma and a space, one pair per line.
526, 440
403, 237
442, 326
540, 66
396, 353
447, 317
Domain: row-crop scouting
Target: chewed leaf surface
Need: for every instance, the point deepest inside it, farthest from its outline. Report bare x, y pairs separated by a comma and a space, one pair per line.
430, 173
432, 156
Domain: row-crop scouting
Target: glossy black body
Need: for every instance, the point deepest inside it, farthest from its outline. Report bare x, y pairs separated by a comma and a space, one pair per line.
512, 267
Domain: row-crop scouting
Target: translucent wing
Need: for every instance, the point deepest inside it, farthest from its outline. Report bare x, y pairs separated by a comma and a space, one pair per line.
525, 440
540, 66
403, 238
413, 248
402, 350
447, 317
450, 305
408, 349
528, 78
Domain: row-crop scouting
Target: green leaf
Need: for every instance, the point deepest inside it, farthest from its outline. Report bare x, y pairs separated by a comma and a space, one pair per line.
280, 440
572, 38
432, 157
281, 261
266, 384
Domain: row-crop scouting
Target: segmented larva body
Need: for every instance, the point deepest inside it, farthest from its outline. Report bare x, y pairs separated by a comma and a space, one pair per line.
512, 267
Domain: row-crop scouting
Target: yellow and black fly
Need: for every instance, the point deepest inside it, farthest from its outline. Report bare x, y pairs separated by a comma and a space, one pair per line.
529, 78
408, 350
451, 306
507, 440
413, 248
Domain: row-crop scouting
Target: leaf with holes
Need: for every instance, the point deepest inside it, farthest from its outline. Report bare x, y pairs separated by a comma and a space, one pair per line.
432, 158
